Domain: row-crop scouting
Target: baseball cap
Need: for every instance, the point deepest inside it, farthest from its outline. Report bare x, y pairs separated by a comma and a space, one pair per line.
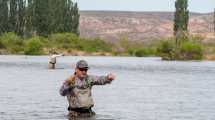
82, 64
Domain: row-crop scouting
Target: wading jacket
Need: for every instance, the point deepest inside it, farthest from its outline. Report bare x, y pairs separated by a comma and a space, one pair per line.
79, 92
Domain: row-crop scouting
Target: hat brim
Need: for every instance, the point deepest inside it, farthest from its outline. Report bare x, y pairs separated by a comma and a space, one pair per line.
84, 67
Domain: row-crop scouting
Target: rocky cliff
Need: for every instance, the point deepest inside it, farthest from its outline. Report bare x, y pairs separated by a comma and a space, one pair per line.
140, 26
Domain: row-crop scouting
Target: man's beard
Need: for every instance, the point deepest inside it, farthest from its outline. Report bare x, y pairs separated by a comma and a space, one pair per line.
82, 77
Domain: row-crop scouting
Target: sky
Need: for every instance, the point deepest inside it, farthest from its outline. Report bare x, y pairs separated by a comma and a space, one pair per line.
201, 6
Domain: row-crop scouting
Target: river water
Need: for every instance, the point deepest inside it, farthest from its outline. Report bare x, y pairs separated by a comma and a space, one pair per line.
144, 89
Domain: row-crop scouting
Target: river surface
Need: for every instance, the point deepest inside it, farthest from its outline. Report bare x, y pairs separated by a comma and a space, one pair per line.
144, 89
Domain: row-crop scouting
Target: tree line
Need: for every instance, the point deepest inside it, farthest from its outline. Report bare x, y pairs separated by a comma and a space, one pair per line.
38, 17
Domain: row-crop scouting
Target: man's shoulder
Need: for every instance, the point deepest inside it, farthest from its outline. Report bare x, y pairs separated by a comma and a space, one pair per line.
90, 77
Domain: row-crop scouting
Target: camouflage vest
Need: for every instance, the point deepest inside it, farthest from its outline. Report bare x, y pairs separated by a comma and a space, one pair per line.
81, 97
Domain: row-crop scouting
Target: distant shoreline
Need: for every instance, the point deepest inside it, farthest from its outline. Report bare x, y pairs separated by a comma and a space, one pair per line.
124, 11
97, 54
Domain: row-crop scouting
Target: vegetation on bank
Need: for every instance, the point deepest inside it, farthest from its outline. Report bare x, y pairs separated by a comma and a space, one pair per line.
190, 48
67, 43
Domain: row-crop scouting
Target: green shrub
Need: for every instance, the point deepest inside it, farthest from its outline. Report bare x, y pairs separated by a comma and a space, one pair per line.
64, 41
69, 41
165, 47
12, 43
1, 45
190, 51
166, 50
131, 51
144, 52
95, 45
34, 46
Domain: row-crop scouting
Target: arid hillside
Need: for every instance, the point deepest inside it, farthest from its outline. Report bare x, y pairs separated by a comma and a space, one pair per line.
141, 26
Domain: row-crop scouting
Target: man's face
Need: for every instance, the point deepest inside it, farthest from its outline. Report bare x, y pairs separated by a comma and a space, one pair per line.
81, 72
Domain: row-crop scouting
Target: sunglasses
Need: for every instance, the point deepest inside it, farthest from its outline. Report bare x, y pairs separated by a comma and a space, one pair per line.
83, 69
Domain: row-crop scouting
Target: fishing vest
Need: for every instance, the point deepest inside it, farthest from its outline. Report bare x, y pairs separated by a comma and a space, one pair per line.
81, 97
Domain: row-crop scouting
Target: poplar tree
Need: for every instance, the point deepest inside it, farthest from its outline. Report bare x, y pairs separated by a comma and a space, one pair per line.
57, 15
40, 17
181, 18
28, 31
75, 19
3, 16
13, 16
21, 17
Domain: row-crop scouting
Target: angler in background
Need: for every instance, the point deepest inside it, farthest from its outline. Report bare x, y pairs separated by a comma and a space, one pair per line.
53, 60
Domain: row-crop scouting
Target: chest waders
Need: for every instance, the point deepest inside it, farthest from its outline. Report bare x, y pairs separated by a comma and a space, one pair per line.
81, 97
52, 63
80, 101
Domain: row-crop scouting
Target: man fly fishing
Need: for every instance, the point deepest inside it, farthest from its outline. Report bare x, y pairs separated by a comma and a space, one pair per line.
77, 89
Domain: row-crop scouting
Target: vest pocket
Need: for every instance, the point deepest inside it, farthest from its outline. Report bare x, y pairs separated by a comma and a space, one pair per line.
82, 98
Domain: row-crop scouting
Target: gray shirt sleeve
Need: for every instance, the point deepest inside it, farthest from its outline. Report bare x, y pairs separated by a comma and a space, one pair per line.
65, 89
99, 80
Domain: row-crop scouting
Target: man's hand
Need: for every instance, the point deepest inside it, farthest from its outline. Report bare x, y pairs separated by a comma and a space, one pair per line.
71, 80
111, 77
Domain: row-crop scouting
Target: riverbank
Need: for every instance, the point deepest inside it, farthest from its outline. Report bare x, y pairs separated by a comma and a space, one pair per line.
69, 44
